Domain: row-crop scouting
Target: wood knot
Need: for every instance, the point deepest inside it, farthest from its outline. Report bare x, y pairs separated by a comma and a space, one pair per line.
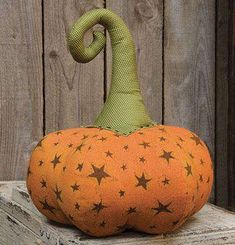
144, 10
53, 54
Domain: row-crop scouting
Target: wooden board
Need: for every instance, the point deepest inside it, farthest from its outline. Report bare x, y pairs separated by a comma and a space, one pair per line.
210, 226
21, 97
189, 67
73, 92
222, 103
144, 19
15, 232
231, 111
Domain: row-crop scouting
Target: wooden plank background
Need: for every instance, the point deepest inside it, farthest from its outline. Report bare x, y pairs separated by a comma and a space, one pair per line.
184, 52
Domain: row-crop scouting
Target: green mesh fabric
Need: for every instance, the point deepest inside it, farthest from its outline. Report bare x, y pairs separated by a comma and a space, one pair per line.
124, 109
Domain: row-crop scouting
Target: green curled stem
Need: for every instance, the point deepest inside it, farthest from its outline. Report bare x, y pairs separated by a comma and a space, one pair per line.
124, 110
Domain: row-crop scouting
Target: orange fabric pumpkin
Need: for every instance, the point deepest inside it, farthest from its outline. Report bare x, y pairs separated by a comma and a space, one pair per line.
125, 171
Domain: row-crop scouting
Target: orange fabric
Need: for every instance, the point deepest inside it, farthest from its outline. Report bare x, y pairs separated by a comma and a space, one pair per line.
103, 183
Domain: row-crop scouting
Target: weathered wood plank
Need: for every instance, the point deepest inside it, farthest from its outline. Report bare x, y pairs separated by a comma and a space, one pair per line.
211, 225
21, 103
231, 112
15, 233
189, 67
73, 92
221, 150
144, 19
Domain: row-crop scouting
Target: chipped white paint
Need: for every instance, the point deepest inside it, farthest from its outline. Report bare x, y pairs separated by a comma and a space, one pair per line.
22, 224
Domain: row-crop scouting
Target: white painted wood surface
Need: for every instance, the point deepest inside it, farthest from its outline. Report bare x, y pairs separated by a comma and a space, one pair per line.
21, 223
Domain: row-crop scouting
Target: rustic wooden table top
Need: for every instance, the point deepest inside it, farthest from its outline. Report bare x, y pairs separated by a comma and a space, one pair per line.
21, 223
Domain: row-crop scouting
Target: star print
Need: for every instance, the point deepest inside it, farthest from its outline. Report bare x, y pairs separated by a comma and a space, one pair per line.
79, 148
85, 137
40, 143
75, 187
166, 181
108, 154
126, 147
98, 173
98, 207
48, 207
102, 224
162, 139
180, 139
121, 193
29, 172
41, 163
43, 183
200, 177
87, 231
70, 145
197, 187
77, 206
56, 160
162, 208
142, 159
79, 167
175, 222
71, 217
102, 139
167, 155
124, 167
163, 130
131, 210
196, 140
189, 169
58, 193
145, 144
191, 155
56, 143
57, 133
123, 227
179, 145
201, 161
142, 181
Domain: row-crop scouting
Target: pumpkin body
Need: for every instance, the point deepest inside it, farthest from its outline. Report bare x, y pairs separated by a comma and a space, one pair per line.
124, 171
151, 180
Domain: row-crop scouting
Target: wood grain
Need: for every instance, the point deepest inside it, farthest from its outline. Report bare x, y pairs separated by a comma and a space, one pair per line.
21, 97
222, 104
15, 232
231, 111
189, 61
144, 19
73, 92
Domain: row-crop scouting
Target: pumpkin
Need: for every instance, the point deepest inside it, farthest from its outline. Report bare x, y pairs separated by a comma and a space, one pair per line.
125, 171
